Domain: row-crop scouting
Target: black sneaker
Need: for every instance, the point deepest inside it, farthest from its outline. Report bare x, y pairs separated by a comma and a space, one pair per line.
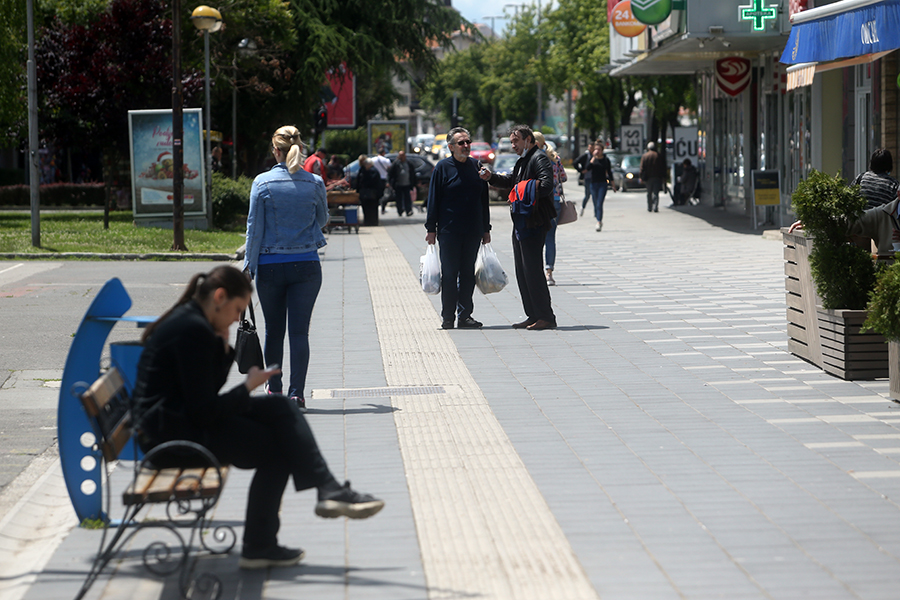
447, 324
346, 502
301, 403
279, 556
469, 323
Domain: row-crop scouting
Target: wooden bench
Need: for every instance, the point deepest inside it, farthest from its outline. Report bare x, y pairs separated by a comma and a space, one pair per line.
189, 493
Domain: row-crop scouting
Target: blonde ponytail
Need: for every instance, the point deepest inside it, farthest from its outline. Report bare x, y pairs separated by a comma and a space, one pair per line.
287, 141
294, 159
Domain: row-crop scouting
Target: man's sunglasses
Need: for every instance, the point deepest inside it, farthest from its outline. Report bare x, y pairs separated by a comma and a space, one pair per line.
463, 142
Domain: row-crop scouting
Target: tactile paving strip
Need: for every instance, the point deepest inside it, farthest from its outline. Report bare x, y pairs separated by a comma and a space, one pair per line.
484, 529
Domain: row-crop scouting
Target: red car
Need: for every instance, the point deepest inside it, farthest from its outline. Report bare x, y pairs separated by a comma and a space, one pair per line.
482, 151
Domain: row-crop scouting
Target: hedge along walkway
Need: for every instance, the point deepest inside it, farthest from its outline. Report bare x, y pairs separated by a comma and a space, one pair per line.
121, 256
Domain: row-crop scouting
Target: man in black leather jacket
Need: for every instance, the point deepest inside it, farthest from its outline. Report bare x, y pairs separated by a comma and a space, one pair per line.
528, 241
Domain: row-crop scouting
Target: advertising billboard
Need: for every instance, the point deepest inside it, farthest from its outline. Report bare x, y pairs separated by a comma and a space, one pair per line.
150, 139
341, 102
390, 135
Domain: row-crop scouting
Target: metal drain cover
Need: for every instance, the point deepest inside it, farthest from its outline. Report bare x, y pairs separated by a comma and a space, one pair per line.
384, 392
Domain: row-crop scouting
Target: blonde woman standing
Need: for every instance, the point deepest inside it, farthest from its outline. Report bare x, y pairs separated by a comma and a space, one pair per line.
288, 208
559, 178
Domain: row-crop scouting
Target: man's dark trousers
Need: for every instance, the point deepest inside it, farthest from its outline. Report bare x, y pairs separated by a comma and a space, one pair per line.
404, 199
528, 254
458, 254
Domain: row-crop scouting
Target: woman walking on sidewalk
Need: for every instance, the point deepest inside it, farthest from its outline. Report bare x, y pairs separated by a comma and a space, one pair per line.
559, 178
288, 208
184, 364
601, 176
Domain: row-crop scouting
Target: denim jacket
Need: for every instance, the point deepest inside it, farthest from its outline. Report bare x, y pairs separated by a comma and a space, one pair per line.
287, 213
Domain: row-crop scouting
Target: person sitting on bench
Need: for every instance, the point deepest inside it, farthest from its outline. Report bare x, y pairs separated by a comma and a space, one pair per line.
184, 364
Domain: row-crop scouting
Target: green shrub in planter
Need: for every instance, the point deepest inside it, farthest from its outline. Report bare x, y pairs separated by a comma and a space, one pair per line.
844, 273
884, 304
230, 201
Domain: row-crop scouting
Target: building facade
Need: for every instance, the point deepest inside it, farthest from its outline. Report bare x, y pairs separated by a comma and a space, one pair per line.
759, 108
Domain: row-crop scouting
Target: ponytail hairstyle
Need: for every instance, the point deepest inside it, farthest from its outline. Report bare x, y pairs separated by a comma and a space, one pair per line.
543, 145
287, 141
203, 285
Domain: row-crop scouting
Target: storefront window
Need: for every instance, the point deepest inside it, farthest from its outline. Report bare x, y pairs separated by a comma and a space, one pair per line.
799, 142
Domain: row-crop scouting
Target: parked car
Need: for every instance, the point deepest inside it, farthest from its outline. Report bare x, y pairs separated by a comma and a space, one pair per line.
627, 174
482, 151
422, 143
436, 145
444, 151
504, 146
423, 167
503, 164
614, 156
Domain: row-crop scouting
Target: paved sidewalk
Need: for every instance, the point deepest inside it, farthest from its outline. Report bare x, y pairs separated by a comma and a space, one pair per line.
661, 443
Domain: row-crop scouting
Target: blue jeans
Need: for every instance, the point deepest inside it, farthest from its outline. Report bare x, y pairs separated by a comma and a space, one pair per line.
598, 189
287, 294
550, 244
587, 190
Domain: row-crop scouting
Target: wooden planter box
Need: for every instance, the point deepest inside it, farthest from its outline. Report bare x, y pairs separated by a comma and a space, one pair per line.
829, 339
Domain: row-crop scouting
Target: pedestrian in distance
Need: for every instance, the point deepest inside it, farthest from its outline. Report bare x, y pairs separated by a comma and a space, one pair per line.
876, 185
533, 169
315, 164
584, 173
653, 172
402, 179
689, 180
458, 217
601, 176
288, 208
368, 186
559, 178
382, 163
184, 364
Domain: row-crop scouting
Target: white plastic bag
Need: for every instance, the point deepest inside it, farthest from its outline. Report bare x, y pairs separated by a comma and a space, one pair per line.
489, 275
430, 271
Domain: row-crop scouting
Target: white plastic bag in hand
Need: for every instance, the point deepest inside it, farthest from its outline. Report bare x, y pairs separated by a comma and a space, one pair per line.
489, 275
430, 271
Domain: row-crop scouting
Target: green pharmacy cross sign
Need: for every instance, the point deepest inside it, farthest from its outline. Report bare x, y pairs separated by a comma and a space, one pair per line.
758, 12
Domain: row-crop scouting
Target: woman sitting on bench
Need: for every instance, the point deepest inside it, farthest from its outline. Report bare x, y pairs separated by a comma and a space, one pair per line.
184, 364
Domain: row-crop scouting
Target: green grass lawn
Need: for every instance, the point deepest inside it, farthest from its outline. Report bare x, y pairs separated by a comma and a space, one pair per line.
83, 232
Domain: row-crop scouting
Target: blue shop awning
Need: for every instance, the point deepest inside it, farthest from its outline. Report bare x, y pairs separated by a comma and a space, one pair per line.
842, 30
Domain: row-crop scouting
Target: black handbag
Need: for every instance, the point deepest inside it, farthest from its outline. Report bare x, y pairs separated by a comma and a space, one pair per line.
247, 351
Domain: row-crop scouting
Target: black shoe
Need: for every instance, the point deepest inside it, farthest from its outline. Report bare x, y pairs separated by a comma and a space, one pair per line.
447, 324
409, 213
469, 323
279, 556
541, 324
301, 403
346, 502
524, 324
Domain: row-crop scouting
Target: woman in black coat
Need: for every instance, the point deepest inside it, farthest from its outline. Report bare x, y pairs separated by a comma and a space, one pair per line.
370, 187
184, 364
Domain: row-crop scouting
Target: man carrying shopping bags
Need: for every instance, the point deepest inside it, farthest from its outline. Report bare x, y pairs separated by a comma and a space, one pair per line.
459, 216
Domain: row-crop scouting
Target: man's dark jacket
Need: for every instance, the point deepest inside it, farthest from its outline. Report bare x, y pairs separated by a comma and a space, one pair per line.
581, 162
534, 164
394, 173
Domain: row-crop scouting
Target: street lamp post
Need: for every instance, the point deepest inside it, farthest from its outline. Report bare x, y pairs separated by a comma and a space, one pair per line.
207, 20
34, 176
492, 17
246, 47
